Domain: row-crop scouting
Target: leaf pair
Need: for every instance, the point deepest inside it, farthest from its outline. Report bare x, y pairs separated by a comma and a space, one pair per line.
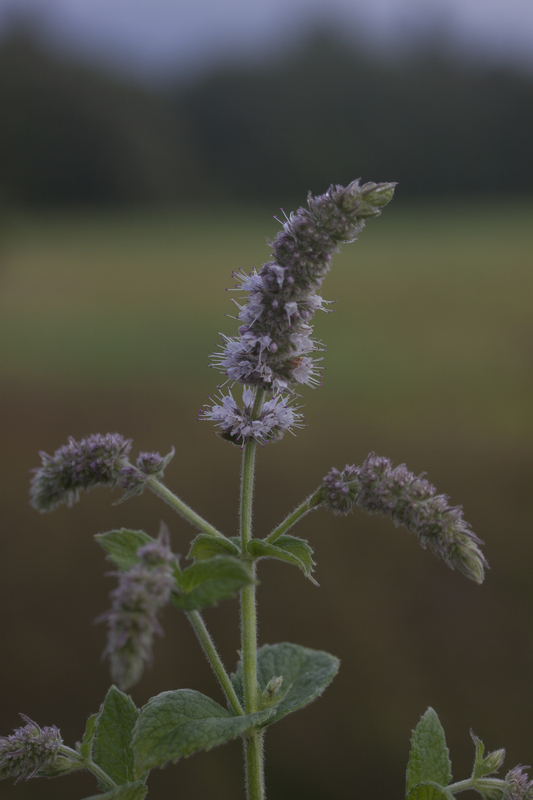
287, 548
217, 572
179, 723
204, 583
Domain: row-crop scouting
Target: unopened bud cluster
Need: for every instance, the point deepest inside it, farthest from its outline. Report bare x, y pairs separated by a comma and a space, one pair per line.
142, 592
98, 460
29, 751
377, 487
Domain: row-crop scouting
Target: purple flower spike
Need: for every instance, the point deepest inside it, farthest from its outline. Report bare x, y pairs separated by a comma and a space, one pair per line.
274, 346
94, 461
141, 593
237, 426
29, 751
411, 501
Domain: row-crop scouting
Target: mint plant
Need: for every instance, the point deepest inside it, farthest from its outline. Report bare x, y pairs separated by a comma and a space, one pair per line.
271, 357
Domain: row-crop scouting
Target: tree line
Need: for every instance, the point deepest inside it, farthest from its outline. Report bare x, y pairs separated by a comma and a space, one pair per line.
74, 135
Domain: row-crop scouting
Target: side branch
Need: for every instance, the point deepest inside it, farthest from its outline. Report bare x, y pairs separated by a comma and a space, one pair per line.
182, 508
309, 504
213, 657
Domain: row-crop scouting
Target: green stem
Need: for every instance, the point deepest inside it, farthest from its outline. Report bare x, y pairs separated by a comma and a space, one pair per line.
252, 742
182, 508
88, 763
101, 775
309, 504
482, 785
460, 786
255, 774
213, 657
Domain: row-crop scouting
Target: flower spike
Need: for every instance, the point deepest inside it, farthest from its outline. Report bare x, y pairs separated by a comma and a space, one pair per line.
411, 501
274, 346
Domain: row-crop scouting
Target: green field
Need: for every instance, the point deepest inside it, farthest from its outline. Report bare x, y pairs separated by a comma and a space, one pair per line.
433, 311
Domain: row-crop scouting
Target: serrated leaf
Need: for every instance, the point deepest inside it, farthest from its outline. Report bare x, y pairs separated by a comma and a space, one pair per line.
121, 546
429, 791
307, 672
85, 747
429, 760
112, 742
287, 548
204, 583
206, 546
129, 791
181, 722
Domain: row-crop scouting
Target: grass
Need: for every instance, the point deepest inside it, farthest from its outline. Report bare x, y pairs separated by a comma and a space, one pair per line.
433, 310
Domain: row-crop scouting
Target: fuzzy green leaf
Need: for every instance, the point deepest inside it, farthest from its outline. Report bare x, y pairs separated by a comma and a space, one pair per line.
112, 743
429, 760
85, 747
121, 546
429, 791
287, 548
206, 546
307, 673
129, 791
204, 583
177, 723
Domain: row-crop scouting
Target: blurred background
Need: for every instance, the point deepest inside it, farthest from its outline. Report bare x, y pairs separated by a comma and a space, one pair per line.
144, 149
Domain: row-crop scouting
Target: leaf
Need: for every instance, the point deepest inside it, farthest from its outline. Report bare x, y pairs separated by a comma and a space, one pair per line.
121, 546
204, 583
307, 672
129, 791
177, 723
85, 747
112, 743
429, 791
206, 546
287, 548
429, 759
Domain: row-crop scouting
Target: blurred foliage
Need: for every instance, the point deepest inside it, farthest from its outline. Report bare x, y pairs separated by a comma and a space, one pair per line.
73, 135
324, 112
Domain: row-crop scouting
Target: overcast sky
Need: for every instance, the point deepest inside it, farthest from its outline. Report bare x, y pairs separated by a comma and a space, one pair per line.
153, 35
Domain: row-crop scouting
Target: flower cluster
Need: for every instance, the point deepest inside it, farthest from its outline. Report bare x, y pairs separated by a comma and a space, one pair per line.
238, 425
142, 592
29, 751
273, 351
274, 342
98, 460
411, 501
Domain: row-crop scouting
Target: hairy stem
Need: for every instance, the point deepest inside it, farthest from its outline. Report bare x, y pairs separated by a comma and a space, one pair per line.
255, 774
88, 763
309, 504
253, 742
182, 508
210, 651
478, 784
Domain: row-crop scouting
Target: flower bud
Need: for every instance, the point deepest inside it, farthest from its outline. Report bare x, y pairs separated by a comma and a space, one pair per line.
273, 687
